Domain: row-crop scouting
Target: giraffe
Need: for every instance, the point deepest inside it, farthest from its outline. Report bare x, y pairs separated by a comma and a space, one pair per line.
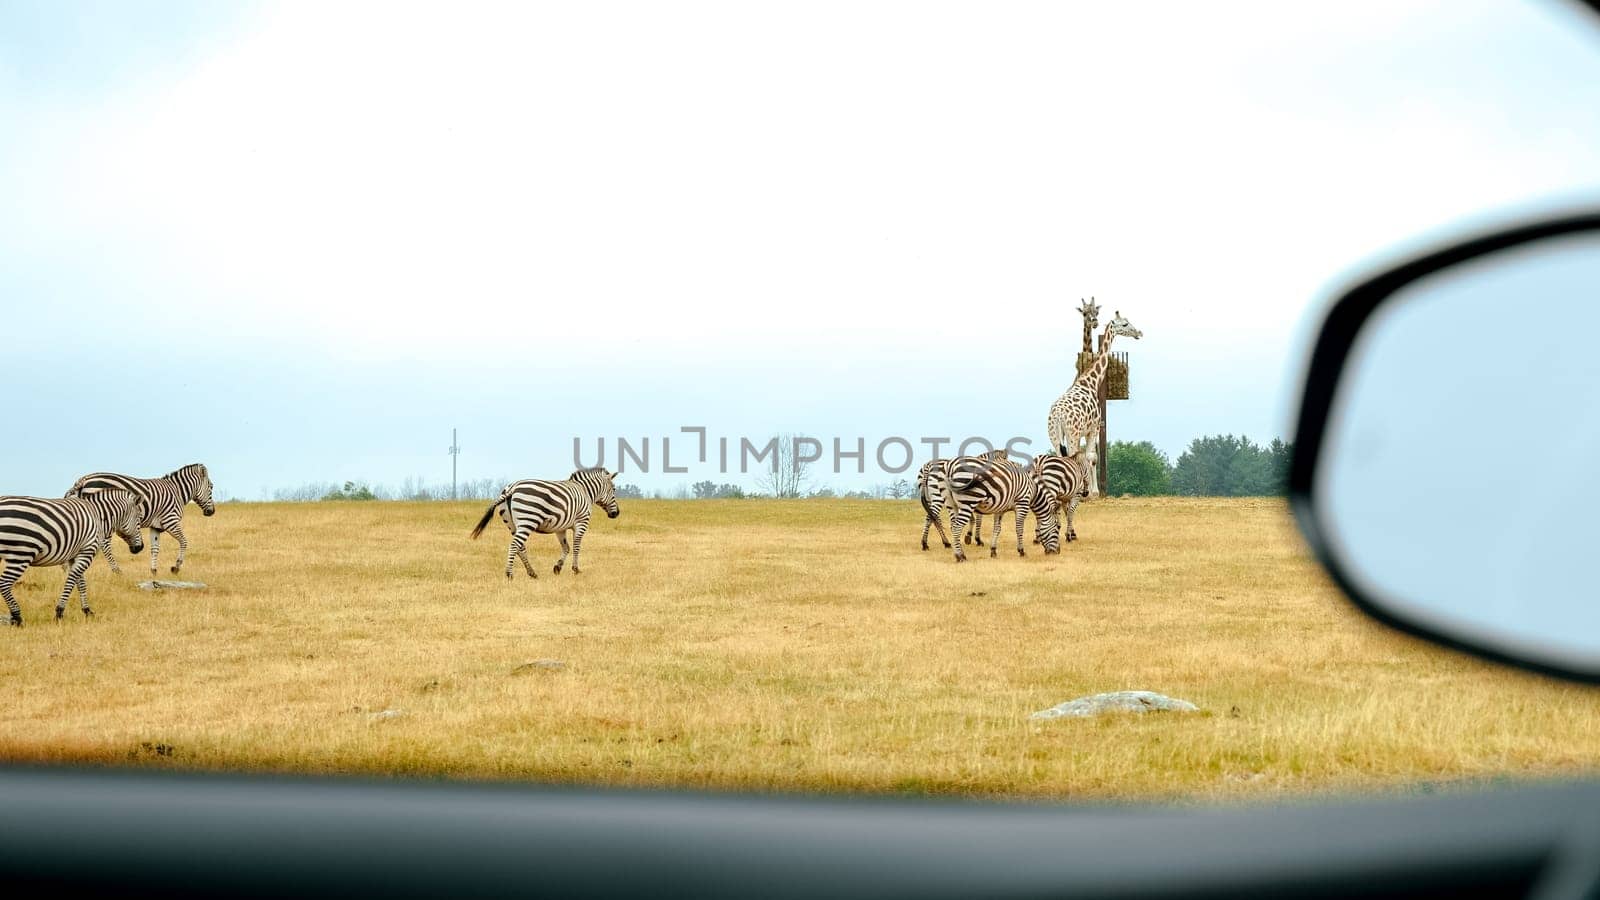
1090, 311
1075, 416
1091, 321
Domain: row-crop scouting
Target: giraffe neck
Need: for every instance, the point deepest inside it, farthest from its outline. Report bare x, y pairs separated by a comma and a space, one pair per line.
1096, 372
1088, 335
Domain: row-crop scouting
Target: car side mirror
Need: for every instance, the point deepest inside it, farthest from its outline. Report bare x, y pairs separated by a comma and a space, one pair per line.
1445, 468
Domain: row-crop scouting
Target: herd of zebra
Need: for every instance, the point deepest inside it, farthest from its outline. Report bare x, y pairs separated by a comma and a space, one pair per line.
39, 531
992, 484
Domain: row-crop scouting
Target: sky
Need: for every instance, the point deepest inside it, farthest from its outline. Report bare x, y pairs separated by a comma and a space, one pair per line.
302, 242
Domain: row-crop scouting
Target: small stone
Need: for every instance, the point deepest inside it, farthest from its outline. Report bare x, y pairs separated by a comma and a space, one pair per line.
172, 585
548, 665
430, 686
1116, 701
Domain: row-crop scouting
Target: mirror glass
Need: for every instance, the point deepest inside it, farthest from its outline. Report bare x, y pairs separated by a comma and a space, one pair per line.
1457, 481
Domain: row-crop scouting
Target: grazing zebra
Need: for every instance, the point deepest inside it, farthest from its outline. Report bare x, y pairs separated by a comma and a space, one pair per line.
35, 531
930, 490
164, 499
1060, 482
978, 485
551, 507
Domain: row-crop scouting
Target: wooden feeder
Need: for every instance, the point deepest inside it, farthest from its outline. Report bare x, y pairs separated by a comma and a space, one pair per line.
1116, 380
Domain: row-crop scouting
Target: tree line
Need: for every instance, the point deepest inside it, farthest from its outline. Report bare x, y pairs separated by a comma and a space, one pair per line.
1214, 466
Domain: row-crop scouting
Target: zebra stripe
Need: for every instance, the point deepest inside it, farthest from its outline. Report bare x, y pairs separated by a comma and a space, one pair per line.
164, 499
1061, 482
551, 507
930, 490
987, 485
36, 531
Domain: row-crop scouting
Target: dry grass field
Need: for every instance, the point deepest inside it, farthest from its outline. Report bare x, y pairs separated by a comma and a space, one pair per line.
792, 646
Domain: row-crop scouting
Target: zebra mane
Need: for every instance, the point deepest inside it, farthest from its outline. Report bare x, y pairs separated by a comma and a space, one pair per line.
189, 470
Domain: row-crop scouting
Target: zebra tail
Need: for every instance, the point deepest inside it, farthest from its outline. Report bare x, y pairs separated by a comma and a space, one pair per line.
949, 499
484, 522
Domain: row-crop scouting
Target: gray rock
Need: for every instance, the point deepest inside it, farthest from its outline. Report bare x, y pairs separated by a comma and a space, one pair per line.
387, 714
548, 665
178, 585
1116, 701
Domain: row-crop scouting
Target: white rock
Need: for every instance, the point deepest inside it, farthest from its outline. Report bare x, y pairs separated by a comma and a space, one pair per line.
1116, 701
387, 714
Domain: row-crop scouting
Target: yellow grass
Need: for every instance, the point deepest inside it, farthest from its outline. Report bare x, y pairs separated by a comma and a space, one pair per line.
796, 646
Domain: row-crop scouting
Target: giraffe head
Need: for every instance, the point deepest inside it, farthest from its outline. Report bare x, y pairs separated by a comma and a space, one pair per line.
1122, 327
1090, 311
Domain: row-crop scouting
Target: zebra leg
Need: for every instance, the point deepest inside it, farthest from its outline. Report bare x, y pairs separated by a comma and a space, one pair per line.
523, 555
1022, 520
105, 547
562, 537
937, 521
994, 544
176, 530
75, 579
1072, 507
519, 543
155, 549
578, 532
7, 579
958, 524
977, 529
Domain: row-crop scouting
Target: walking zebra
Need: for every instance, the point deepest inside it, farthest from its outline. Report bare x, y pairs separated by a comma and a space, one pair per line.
164, 499
978, 485
35, 531
930, 490
551, 507
1061, 481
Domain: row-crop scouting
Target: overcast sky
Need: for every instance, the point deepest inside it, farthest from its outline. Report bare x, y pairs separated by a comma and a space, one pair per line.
301, 242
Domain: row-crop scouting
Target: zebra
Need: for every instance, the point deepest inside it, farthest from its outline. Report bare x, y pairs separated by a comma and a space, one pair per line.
987, 484
550, 507
930, 490
164, 499
1060, 482
36, 531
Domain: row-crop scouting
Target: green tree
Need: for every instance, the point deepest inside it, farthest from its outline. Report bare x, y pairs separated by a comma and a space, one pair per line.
1138, 469
1227, 466
1202, 470
1249, 472
1282, 454
352, 491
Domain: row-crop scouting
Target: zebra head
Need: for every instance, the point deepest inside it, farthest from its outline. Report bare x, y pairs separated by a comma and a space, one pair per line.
598, 483
1122, 327
123, 513
1047, 526
196, 484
